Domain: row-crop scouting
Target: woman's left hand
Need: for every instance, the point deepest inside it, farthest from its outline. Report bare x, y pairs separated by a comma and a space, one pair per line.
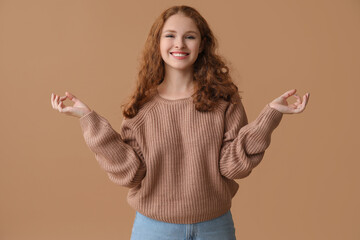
282, 105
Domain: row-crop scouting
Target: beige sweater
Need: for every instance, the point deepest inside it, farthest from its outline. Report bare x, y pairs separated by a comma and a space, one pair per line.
178, 163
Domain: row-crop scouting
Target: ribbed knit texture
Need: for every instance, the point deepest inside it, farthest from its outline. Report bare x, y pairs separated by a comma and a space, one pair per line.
178, 163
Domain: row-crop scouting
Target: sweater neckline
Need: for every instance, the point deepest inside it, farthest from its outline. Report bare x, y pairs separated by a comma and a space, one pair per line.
165, 100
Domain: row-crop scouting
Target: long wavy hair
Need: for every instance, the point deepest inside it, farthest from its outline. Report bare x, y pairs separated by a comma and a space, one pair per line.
212, 80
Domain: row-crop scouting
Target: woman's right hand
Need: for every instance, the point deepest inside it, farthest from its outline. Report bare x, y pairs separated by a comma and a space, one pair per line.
79, 109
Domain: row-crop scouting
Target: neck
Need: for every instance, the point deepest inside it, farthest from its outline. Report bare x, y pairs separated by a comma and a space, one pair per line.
177, 81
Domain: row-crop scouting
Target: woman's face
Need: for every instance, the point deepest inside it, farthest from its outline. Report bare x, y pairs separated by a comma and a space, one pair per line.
180, 41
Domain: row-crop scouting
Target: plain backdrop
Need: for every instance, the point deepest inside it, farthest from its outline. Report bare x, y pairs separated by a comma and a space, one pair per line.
51, 187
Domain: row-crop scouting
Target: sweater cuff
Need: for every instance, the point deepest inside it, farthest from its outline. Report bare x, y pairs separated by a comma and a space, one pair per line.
270, 117
273, 112
89, 119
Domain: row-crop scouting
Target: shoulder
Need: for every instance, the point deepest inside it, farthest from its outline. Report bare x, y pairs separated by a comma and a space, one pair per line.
229, 106
139, 119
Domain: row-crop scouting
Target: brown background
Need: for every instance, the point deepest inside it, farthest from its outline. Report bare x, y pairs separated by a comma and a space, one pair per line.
51, 187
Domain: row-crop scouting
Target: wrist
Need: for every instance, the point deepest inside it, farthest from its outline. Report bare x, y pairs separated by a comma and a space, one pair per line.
271, 105
85, 113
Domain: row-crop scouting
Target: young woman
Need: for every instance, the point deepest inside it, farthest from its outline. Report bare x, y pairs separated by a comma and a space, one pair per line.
185, 136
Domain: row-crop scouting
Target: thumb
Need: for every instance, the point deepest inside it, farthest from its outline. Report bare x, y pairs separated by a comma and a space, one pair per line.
288, 93
71, 96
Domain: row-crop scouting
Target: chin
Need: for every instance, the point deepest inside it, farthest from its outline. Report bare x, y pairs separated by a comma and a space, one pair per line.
181, 68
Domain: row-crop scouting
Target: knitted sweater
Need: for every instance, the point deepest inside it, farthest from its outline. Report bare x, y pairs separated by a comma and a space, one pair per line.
178, 163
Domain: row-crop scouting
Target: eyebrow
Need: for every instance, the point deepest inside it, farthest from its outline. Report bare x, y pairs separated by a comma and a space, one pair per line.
185, 32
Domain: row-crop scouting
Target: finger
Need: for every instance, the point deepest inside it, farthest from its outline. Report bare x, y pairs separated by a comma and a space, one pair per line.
52, 97
59, 107
56, 100
297, 109
301, 107
288, 93
61, 99
297, 96
305, 100
71, 96
298, 101
296, 104
53, 101
293, 106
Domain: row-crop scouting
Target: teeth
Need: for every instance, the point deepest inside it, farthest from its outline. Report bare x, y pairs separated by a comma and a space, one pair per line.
179, 54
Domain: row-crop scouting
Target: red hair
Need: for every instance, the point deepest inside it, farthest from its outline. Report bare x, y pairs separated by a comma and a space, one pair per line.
211, 75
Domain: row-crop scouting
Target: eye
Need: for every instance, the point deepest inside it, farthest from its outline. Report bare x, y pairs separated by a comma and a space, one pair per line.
190, 37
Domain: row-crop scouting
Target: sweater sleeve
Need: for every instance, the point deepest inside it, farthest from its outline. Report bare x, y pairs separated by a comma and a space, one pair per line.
118, 154
244, 143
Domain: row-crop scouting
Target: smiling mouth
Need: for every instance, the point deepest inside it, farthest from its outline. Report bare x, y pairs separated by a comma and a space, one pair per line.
179, 54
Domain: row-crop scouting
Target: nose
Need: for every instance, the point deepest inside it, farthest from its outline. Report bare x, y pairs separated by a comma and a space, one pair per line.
179, 43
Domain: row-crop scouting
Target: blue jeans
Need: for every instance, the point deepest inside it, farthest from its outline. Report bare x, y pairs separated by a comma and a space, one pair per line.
220, 228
